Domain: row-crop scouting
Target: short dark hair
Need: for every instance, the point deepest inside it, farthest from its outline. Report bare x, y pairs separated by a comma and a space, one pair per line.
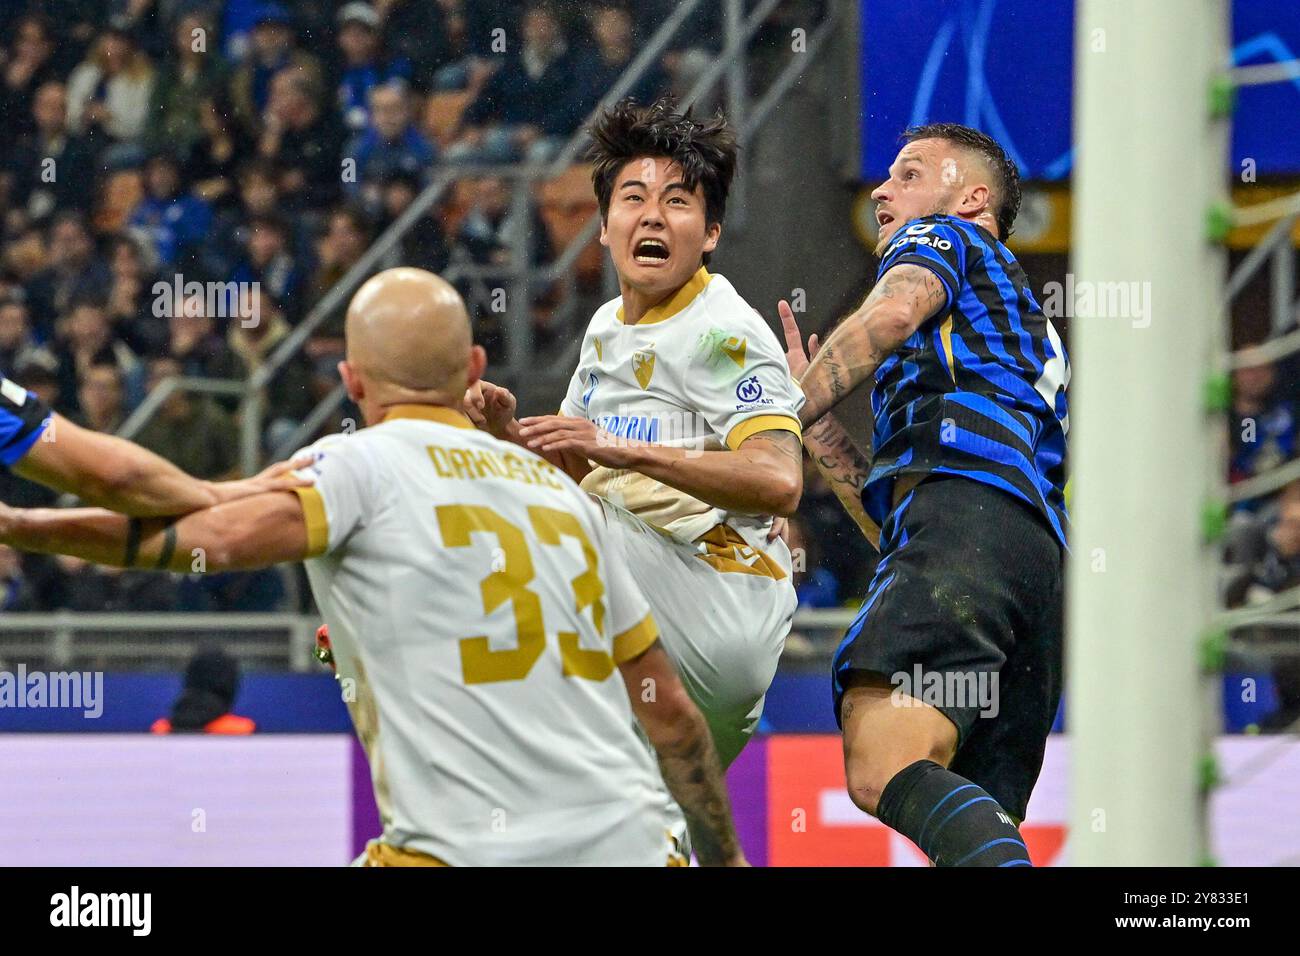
706, 152
1006, 187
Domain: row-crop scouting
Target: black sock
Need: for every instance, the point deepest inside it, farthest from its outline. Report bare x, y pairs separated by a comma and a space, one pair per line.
954, 822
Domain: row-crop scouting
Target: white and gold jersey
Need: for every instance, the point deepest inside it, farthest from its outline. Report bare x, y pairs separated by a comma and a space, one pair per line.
701, 370
476, 625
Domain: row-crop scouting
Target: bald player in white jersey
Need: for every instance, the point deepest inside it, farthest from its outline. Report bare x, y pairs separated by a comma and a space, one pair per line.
474, 617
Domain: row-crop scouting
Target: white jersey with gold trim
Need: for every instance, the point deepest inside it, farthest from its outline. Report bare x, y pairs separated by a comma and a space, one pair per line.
476, 623
702, 370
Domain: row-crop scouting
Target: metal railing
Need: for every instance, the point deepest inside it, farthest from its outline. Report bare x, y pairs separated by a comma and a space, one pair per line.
68, 640
65, 639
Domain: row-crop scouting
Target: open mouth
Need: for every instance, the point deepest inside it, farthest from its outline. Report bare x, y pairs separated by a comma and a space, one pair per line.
650, 250
883, 218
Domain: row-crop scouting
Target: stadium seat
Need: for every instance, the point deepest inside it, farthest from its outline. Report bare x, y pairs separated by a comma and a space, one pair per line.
442, 112
566, 203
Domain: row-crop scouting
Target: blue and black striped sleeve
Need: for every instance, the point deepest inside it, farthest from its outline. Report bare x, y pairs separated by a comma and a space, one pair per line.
937, 246
23, 418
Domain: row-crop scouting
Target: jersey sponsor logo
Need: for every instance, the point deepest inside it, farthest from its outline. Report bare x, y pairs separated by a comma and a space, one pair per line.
749, 390
935, 242
643, 366
635, 427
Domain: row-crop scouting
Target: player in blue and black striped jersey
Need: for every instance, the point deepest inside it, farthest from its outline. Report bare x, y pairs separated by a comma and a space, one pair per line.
948, 681
43, 446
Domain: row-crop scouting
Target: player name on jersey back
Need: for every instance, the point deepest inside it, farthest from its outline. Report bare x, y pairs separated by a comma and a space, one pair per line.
477, 626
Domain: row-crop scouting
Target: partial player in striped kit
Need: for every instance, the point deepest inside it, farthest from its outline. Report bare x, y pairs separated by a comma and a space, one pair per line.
965, 481
681, 418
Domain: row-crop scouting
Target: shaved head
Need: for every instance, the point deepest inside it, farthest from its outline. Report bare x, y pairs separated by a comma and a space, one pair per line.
408, 341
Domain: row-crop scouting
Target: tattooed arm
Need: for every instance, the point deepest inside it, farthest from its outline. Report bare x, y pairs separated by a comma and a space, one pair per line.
687, 758
844, 468
901, 301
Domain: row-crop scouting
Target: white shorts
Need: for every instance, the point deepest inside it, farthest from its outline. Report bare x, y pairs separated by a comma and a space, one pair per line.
723, 610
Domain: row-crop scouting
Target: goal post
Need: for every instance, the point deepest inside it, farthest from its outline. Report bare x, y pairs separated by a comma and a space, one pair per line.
1150, 162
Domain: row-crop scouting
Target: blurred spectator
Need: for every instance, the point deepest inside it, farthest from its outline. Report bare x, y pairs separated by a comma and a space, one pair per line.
348, 233
257, 194
27, 66
207, 699
52, 169
100, 397
1263, 550
1263, 423
190, 430
392, 143
289, 397
175, 221
73, 270
489, 231
527, 107
85, 339
424, 244
197, 345
274, 48
417, 32
612, 29
487, 236
17, 345
132, 297
462, 59
212, 164
269, 261
108, 94
191, 77
364, 66
303, 140
26, 255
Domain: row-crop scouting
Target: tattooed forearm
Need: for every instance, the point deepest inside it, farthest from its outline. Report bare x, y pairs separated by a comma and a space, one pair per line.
694, 777
904, 298
844, 468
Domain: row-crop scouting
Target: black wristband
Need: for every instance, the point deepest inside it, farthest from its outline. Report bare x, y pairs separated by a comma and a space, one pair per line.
168, 548
133, 528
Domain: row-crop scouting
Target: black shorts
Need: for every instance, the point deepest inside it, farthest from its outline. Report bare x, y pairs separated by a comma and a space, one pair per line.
965, 612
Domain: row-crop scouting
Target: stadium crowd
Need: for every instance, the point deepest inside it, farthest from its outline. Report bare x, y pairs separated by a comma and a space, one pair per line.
158, 143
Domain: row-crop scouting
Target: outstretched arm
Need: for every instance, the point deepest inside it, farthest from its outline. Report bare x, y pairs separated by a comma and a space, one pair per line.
763, 475
113, 473
254, 532
901, 301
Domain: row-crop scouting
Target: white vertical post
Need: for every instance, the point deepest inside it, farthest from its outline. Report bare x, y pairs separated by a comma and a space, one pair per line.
1150, 159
